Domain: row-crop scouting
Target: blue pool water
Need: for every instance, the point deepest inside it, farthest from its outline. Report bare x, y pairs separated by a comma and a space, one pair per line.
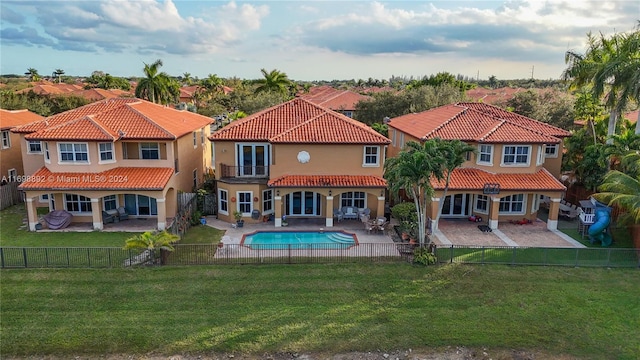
299, 240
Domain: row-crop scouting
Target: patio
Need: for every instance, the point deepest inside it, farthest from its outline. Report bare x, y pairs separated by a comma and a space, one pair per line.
536, 234
130, 225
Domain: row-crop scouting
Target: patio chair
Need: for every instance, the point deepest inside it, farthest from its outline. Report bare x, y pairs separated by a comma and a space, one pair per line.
369, 226
122, 213
349, 212
382, 227
337, 214
107, 218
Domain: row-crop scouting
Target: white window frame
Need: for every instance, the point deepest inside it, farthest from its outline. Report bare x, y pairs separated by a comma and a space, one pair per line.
44, 198
541, 156
488, 150
110, 151
195, 139
267, 201
75, 152
223, 201
535, 206
552, 154
366, 156
202, 137
113, 198
47, 155
6, 139
510, 201
349, 198
401, 144
78, 201
479, 198
244, 198
515, 155
140, 149
35, 143
393, 137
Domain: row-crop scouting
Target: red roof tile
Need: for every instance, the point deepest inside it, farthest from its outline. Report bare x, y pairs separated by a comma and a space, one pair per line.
122, 178
9, 119
333, 99
474, 179
299, 121
477, 123
125, 118
353, 181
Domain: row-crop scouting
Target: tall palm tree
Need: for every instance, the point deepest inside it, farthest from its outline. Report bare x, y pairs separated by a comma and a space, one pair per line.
273, 81
58, 73
604, 67
156, 86
187, 79
454, 154
153, 242
412, 171
33, 74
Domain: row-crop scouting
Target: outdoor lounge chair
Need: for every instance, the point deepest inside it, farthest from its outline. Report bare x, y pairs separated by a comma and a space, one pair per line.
107, 218
349, 212
122, 213
337, 214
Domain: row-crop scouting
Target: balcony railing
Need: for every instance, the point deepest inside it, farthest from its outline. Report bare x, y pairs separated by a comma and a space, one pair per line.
228, 171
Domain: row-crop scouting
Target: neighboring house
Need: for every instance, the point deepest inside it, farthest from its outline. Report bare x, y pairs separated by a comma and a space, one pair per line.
342, 101
13, 150
521, 155
122, 152
299, 160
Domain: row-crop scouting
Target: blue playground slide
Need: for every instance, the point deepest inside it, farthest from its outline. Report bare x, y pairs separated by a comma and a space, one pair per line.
597, 231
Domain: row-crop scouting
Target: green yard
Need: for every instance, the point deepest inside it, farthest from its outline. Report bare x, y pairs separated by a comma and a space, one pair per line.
587, 313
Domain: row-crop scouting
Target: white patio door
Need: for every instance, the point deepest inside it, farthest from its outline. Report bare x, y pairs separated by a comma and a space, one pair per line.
302, 203
252, 159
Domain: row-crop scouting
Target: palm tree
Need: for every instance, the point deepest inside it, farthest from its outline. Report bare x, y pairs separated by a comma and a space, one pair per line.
156, 86
58, 73
412, 171
273, 81
33, 74
152, 242
611, 66
453, 153
186, 78
623, 191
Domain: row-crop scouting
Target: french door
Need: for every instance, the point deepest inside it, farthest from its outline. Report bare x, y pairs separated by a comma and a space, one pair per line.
458, 205
303, 203
252, 159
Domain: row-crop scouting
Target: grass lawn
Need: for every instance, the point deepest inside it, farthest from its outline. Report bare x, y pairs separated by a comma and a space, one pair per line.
588, 313
13, 232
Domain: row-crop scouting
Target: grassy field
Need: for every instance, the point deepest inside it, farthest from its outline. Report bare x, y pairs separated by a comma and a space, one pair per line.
587, 313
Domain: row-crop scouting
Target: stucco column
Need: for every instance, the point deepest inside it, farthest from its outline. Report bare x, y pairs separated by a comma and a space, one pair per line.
32, 214
494, 212
380, 209
96, 214
278, 210
329, 212
162, 213
554, 208
435, 205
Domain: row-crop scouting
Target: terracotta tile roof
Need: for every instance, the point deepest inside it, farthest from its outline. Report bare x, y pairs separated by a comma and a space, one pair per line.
299, 121
333, 99
474, 179
475, 122
352, 181
9, 119
110, 119
97, 94
122, 178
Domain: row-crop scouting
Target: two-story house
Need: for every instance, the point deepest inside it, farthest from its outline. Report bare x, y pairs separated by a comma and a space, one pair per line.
517, 162
298, 159
11, 151
114, 153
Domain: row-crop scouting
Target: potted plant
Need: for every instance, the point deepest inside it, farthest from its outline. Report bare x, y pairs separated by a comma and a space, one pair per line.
284, 221
238, 216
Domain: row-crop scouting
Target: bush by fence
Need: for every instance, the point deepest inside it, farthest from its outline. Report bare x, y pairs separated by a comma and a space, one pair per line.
211, 254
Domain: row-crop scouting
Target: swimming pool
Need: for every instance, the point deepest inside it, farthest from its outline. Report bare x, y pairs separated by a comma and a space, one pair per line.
299, 240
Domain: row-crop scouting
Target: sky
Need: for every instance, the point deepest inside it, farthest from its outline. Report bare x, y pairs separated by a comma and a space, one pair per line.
307, 40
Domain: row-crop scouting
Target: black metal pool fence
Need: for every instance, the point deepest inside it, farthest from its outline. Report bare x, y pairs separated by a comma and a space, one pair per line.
212, 254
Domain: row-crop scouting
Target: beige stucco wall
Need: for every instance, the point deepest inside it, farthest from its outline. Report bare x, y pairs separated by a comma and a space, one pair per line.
324, 159
11, 157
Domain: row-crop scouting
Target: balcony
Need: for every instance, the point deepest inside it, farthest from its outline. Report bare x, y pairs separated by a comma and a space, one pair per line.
244, 172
